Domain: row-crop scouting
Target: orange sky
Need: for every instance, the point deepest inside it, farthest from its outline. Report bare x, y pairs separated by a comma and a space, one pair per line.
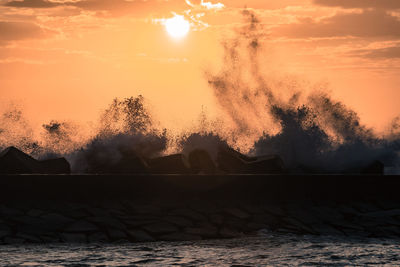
67, 59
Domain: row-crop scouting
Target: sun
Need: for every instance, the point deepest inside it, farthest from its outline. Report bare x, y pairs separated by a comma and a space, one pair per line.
177, 26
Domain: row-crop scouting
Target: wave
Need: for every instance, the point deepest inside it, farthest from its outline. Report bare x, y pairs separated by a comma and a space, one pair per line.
311, 132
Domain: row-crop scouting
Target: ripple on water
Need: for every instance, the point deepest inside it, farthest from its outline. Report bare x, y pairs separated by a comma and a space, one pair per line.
282, 249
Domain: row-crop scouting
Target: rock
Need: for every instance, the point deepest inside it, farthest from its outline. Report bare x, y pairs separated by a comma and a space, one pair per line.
304, 216
144, 209
80, 227
160, 228
9, 212
237, 213
252, 209
201, 162
356, 233
233, 161
267, 219
180, 237
13, 240
76, 214
363, 207
116, 234
98, 238
189, 214
275, 210
4, 233
35, 213
385, 213
343, 224
388, 204
375, 167
140, 236
129, 161
29, 238
217, 219
55, 166
229, 233
326, 214
207, 231
14, 161
292, 223
56, 220
172, 164
178, 221
34, 229
235, 223
73, 238
256, 226
98, 212
390, 230
50, 238
325, 229
107, 222
229, 160
265, 164
134, 223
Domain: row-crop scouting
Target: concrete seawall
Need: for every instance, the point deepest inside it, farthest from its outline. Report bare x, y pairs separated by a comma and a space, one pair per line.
137, 208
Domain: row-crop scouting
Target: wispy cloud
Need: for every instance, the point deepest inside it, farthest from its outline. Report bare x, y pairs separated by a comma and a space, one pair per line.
207, 5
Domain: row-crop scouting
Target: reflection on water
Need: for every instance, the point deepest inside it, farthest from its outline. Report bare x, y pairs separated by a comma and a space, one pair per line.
268, 249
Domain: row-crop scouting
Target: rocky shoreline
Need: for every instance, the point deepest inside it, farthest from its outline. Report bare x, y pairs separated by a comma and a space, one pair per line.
127, 221
137, 211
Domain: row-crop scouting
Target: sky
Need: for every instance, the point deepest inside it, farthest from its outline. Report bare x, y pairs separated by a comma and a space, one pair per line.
67, 59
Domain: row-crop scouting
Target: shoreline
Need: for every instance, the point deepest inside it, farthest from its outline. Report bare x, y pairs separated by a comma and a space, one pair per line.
141, 208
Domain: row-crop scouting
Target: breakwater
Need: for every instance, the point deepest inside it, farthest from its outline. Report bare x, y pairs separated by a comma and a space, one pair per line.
139, 208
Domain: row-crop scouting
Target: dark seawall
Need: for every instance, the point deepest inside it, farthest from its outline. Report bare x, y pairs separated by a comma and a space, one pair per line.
276, 188
136, 208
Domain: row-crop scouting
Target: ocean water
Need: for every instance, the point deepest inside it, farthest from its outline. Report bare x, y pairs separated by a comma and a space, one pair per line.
263, 250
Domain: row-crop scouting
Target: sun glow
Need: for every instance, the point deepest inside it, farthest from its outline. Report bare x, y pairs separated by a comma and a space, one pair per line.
177, 26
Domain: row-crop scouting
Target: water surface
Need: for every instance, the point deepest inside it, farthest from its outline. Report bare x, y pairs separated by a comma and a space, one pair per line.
265, 249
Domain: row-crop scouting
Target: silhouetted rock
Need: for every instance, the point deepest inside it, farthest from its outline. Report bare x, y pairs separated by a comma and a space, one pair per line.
98, 238
265, 164
376, 167
140, 236
201, 162
206, 231
230, 161
229, 233
160, 228
116, 235
55, 166
235, 212
81, 226
14, 161
172, 164
128, 162
73, 238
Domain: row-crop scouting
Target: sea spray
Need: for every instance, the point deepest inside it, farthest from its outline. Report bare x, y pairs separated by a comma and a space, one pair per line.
312, 132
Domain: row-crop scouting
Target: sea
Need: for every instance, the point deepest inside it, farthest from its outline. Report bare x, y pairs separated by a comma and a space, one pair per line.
265, 249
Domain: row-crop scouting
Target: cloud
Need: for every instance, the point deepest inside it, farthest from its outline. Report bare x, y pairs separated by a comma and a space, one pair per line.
11, 31
207, 5
386, 4
375, 23
112, 7
32, 4
392, 52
